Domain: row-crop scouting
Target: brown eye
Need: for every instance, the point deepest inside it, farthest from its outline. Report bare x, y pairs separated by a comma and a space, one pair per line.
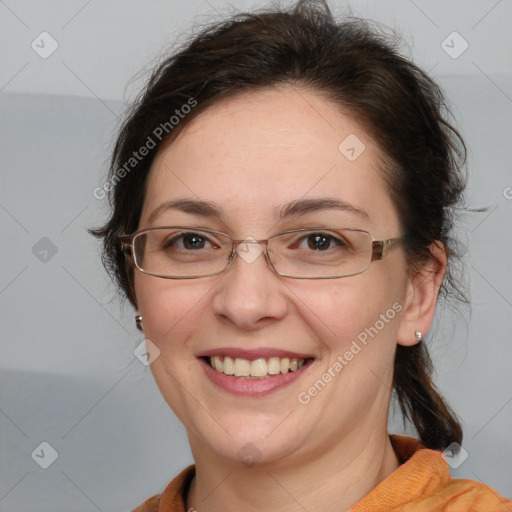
322, 241
319, 241
187, 241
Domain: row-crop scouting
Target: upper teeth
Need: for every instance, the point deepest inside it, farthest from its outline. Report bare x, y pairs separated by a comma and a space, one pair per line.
255, 368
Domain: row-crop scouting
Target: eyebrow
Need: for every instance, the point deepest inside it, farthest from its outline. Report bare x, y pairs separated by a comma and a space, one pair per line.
292, 209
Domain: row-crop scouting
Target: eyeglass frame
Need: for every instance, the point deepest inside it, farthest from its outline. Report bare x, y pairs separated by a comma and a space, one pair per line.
380, 249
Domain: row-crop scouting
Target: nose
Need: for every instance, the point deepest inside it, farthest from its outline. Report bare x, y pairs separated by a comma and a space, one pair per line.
250, 294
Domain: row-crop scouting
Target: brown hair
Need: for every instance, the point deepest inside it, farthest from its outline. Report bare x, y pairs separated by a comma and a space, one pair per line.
357, 65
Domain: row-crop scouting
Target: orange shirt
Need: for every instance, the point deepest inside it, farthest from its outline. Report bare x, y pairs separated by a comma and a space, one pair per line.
422, 483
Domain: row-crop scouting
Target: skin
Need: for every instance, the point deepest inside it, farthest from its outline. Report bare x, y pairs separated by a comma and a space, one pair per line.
250, 154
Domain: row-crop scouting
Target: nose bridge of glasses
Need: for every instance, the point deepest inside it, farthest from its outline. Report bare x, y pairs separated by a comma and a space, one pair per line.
249, 249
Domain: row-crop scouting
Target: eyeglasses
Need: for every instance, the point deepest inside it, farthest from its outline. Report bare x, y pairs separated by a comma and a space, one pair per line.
178, 252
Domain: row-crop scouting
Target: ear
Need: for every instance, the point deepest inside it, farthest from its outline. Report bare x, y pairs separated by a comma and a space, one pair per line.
129, 268
421, 297
130, 274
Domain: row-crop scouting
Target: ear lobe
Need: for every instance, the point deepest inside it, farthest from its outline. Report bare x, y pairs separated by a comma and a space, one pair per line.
421, 297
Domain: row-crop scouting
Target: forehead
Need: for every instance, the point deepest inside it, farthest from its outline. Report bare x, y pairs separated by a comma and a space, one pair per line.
256, 151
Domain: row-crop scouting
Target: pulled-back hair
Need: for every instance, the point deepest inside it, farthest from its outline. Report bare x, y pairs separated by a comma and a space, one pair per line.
358, 66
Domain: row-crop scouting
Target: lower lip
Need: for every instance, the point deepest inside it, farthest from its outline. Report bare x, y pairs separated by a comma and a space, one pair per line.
252, 387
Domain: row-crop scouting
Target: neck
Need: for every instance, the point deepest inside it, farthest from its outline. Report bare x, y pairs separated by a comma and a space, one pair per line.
337, 478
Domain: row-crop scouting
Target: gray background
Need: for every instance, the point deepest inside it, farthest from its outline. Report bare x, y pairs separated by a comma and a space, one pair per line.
68, 374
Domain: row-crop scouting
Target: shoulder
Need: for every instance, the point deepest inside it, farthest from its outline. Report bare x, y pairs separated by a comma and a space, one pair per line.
173, 499
428, 472
475, 495
423, 483
441, 493
150, 505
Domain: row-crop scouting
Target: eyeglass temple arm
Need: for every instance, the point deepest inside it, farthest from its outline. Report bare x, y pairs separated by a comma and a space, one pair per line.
382, 247
126, 243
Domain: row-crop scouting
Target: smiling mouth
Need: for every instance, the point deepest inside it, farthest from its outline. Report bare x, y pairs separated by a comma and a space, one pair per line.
261, 368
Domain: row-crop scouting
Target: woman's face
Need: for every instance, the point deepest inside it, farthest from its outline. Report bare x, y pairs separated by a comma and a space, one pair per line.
251, 156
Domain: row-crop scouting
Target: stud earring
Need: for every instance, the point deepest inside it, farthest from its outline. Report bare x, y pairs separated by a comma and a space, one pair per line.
419, 336
138, 322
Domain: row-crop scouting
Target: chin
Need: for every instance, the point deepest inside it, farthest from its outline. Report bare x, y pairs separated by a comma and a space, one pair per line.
247, 441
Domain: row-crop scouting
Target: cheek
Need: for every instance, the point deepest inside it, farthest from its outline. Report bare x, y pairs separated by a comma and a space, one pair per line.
356, 322
169, 309
342, 310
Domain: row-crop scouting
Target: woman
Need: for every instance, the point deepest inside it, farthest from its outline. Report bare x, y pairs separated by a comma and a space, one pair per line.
282, 205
